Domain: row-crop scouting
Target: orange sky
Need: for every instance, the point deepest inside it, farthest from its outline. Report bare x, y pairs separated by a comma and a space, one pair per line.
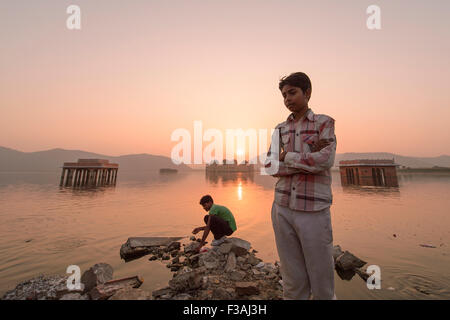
137, 70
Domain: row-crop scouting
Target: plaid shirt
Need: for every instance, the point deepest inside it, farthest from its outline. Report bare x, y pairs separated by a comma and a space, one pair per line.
304, 182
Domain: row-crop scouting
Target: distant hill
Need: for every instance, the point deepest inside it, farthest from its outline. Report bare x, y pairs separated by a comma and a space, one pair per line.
52, 160
412, 162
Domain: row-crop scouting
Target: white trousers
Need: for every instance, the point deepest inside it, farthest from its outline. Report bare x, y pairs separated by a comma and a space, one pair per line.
305, 247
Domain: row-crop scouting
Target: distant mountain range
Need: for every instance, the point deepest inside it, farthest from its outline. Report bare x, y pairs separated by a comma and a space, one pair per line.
52, 160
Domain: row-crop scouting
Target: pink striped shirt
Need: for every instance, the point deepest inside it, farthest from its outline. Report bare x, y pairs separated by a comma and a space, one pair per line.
304, 182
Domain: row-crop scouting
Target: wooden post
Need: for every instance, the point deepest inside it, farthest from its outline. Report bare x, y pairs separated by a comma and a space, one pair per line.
94, 176
70, 177
80, 176
83, 176
62, 176
86, 175
66, 183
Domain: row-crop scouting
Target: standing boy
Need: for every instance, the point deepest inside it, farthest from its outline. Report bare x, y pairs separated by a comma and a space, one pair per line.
220, 221
301, 208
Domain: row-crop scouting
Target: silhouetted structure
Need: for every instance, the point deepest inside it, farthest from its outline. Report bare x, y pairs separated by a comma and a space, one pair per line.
366, 172
232, 167
89, 172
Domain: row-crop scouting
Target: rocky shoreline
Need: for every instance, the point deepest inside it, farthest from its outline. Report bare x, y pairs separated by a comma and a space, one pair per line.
231, 271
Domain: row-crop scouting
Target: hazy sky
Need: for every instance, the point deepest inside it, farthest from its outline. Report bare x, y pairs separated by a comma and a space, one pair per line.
138, 70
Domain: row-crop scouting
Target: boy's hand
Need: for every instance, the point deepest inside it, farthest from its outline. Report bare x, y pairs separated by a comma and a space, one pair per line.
313, 146
319, 145
196, 230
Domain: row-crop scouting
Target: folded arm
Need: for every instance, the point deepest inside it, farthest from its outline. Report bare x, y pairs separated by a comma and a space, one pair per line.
283, 170
314, 162
272, 164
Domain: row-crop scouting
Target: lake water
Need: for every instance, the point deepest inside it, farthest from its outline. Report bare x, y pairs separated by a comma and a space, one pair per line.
45, 228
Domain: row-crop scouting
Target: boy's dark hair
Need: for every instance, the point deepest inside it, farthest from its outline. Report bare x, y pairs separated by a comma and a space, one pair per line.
296, 79
206, 199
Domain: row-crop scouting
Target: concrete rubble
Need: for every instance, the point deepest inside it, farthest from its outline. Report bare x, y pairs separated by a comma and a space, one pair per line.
97, 274
137, 247
226, 272
231, 271
347, 265
44, 288
96, 284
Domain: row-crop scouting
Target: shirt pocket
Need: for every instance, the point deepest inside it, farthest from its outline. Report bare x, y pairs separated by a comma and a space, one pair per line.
309, 139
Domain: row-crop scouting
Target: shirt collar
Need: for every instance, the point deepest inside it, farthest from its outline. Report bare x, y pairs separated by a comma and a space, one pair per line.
308, 115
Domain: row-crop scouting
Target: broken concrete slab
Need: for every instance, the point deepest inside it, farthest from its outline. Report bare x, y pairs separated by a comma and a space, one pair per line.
160, 292
268, 267
253, 260
239, 246
106, 290
97, 274
41, 287
246, 288
191, 247
74, 296
130, 293
225, 247
175, 245
237, 275
231, 262
137, 247
348, 261
186, 281
136, 242
209, 259
221, 293
364, 275
183, 296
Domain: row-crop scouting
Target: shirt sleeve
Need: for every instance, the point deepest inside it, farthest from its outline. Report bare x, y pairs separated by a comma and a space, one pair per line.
272, 162
315, 162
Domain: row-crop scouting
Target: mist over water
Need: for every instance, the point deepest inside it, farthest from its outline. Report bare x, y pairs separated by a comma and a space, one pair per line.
45, 228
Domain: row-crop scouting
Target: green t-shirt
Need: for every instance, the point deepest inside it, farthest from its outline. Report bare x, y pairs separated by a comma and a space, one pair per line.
225, 214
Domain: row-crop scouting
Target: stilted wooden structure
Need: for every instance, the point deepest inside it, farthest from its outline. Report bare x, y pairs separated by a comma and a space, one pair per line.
369, 172
92, 172
229, 167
